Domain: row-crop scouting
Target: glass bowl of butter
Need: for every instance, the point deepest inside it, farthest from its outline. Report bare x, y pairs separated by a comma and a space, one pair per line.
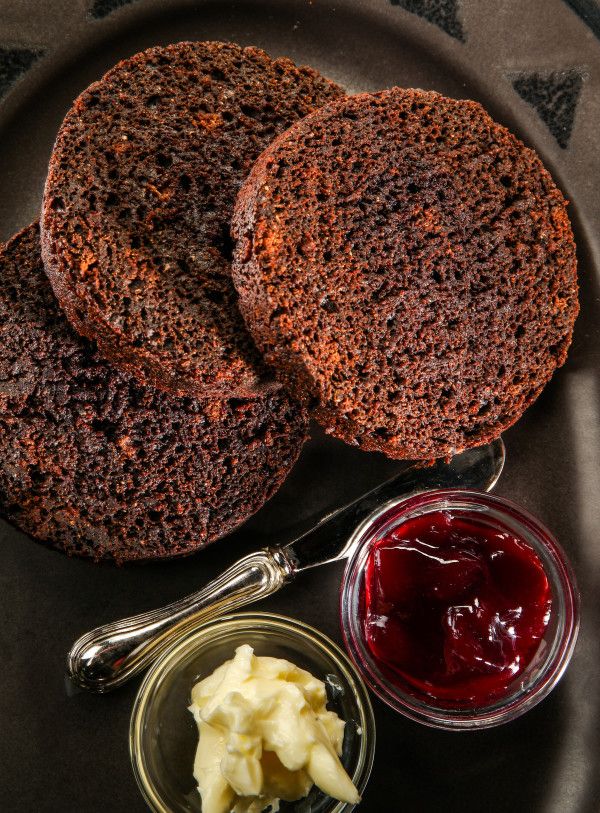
246, 711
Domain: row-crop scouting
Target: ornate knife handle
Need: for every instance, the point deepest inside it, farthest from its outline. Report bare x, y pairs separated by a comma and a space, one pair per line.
109, 655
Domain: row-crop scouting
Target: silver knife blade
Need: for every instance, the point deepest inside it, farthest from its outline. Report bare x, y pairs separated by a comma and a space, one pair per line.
328, 541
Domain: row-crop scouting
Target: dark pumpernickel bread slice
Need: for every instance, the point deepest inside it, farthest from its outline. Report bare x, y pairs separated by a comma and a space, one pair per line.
408, 267
100, 466
140, 191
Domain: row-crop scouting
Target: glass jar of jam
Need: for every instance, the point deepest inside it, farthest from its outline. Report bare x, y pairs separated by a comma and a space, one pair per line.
459, 608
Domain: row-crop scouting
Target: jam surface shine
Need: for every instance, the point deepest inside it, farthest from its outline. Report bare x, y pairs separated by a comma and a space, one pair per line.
454, 607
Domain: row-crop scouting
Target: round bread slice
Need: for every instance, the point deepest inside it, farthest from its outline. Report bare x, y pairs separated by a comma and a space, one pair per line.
140, 190
408, 267
100, 466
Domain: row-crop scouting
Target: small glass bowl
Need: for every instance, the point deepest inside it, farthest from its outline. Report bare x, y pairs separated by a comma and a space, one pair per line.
163, 734
554, 652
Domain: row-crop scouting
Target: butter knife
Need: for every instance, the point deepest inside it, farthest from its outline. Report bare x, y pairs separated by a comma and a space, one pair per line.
110, 655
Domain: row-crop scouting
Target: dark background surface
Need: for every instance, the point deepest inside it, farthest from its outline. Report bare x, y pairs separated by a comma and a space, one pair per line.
536, 66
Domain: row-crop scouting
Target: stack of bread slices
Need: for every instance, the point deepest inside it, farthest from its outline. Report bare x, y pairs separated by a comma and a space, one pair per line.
228, 246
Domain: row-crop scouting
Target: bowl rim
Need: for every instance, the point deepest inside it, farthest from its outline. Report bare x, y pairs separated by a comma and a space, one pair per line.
193, 637
566, 635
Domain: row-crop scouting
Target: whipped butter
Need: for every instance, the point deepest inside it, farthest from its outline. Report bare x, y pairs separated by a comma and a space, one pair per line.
265, 735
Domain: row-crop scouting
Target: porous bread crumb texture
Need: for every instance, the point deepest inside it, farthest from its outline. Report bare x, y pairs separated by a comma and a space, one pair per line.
100, 466
137, 204
408, 267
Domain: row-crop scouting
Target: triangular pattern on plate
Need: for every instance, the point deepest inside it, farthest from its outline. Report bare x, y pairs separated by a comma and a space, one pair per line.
554, 96
101, 8
443, 13
14, 62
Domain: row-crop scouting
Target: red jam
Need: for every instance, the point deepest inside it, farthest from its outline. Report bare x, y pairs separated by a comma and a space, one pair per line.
453, 607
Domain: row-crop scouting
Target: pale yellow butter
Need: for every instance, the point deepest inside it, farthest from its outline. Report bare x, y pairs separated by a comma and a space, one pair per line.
265, 734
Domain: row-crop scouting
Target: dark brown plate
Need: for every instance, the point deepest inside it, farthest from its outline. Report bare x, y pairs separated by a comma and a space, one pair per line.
535, 64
